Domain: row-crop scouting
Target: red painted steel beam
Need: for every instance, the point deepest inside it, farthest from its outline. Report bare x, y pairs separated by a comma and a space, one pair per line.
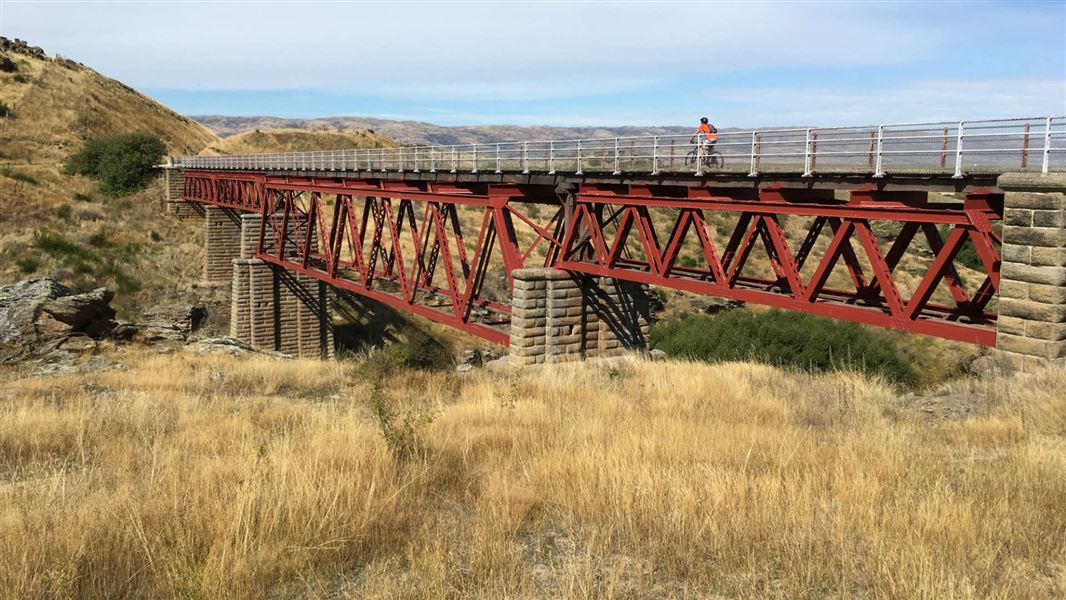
373, 242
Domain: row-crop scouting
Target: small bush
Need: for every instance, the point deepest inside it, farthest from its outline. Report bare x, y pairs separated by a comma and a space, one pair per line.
18, 175
28, 264
98, 239
122, 164
401, 430
155, 236
20, 78
5, 110
7, 65
84, 197
63, 211
76, 257
785, 339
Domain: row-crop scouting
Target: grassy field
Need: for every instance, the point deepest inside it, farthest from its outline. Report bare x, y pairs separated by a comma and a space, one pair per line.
207, 477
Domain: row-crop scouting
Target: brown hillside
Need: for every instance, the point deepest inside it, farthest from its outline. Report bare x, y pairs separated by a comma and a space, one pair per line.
297, 140
56, 104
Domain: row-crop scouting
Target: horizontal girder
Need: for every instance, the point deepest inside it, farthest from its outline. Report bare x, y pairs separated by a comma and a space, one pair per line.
432, 247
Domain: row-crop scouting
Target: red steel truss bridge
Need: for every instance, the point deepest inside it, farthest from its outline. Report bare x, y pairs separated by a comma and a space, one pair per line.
861, 224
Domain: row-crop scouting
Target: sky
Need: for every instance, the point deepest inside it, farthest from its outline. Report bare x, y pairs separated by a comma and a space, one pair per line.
743, 64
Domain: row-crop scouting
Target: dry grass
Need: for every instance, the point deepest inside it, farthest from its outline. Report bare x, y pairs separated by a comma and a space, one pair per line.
297, 140
56, 107
200, 477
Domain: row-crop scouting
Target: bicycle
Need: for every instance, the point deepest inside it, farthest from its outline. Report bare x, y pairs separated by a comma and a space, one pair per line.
712, 159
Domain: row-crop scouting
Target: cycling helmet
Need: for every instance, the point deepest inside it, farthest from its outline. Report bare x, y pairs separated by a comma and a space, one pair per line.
703, 119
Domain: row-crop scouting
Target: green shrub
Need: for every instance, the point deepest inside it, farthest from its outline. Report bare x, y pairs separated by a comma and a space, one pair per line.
782, 338
5, 110
18, 175
155, 236
84, 197
63, 211
122, 164
28, 264
7, 65
20, 78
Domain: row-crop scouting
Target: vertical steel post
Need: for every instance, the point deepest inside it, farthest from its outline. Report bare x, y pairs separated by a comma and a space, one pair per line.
475, 160
1047, 147
752, 170
416, 160
699, 155
332, 161
455, 159
551, 158
382, 159
401, 160
958, 153
616, 171
1025, 147
807, 155
498, 157
432, 159
879, 166
578, 171
525, 157
655, 155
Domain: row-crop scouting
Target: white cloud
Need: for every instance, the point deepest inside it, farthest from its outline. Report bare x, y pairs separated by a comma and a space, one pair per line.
364, 47
920, 100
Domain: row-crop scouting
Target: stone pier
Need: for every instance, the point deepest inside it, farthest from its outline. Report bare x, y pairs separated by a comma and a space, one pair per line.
173, 188
1032, 305
560, 317
274, 309
222, 243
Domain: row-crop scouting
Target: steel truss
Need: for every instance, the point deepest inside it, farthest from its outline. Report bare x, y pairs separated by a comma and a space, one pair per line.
406, 244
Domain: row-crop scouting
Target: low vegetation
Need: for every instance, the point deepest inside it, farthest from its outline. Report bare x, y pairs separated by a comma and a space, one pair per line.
203, 477
122, 164
785, 339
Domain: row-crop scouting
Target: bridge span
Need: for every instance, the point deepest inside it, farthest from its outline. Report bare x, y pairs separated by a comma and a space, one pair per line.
543, 245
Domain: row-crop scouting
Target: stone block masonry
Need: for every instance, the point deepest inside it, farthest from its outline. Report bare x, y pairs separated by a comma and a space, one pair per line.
173, 187
273, 309
222, 243
560, 317
1032, 303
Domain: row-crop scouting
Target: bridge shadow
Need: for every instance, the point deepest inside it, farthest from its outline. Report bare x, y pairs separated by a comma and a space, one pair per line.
361, 324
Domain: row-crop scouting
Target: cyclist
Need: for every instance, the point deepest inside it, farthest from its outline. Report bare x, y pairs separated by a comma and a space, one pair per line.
709, 133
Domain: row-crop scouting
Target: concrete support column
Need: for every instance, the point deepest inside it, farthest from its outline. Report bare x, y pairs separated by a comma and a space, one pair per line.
173, 188
1032, 306
560, 317
273, 309
222, 243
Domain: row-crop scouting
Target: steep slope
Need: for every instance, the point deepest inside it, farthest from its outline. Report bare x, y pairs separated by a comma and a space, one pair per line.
56, 104
297, 140
60, 225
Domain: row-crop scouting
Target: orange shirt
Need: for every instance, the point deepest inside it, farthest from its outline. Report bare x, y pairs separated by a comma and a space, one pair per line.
705, 129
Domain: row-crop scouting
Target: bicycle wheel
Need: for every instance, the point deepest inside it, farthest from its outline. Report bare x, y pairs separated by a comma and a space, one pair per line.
690, 159
717, 160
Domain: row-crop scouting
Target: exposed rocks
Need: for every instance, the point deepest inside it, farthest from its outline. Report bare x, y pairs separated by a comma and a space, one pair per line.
716, 305
476, 358
231, 346
43, 322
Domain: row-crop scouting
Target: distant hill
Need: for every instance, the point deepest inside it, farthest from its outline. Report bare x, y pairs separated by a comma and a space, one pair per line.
56, 104
417, 132
297, 140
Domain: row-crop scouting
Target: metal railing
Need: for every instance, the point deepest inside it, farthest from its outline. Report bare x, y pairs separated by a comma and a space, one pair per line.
953, 148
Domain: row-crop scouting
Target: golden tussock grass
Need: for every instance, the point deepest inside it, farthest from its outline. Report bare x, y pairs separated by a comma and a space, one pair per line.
206, 477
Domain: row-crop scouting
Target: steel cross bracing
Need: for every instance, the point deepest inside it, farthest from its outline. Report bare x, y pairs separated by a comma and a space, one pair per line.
447, 251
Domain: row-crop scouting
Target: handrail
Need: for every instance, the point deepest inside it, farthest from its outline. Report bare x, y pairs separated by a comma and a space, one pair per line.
974, 146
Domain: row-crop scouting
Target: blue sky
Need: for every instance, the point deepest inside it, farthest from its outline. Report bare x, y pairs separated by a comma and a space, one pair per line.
751, 64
